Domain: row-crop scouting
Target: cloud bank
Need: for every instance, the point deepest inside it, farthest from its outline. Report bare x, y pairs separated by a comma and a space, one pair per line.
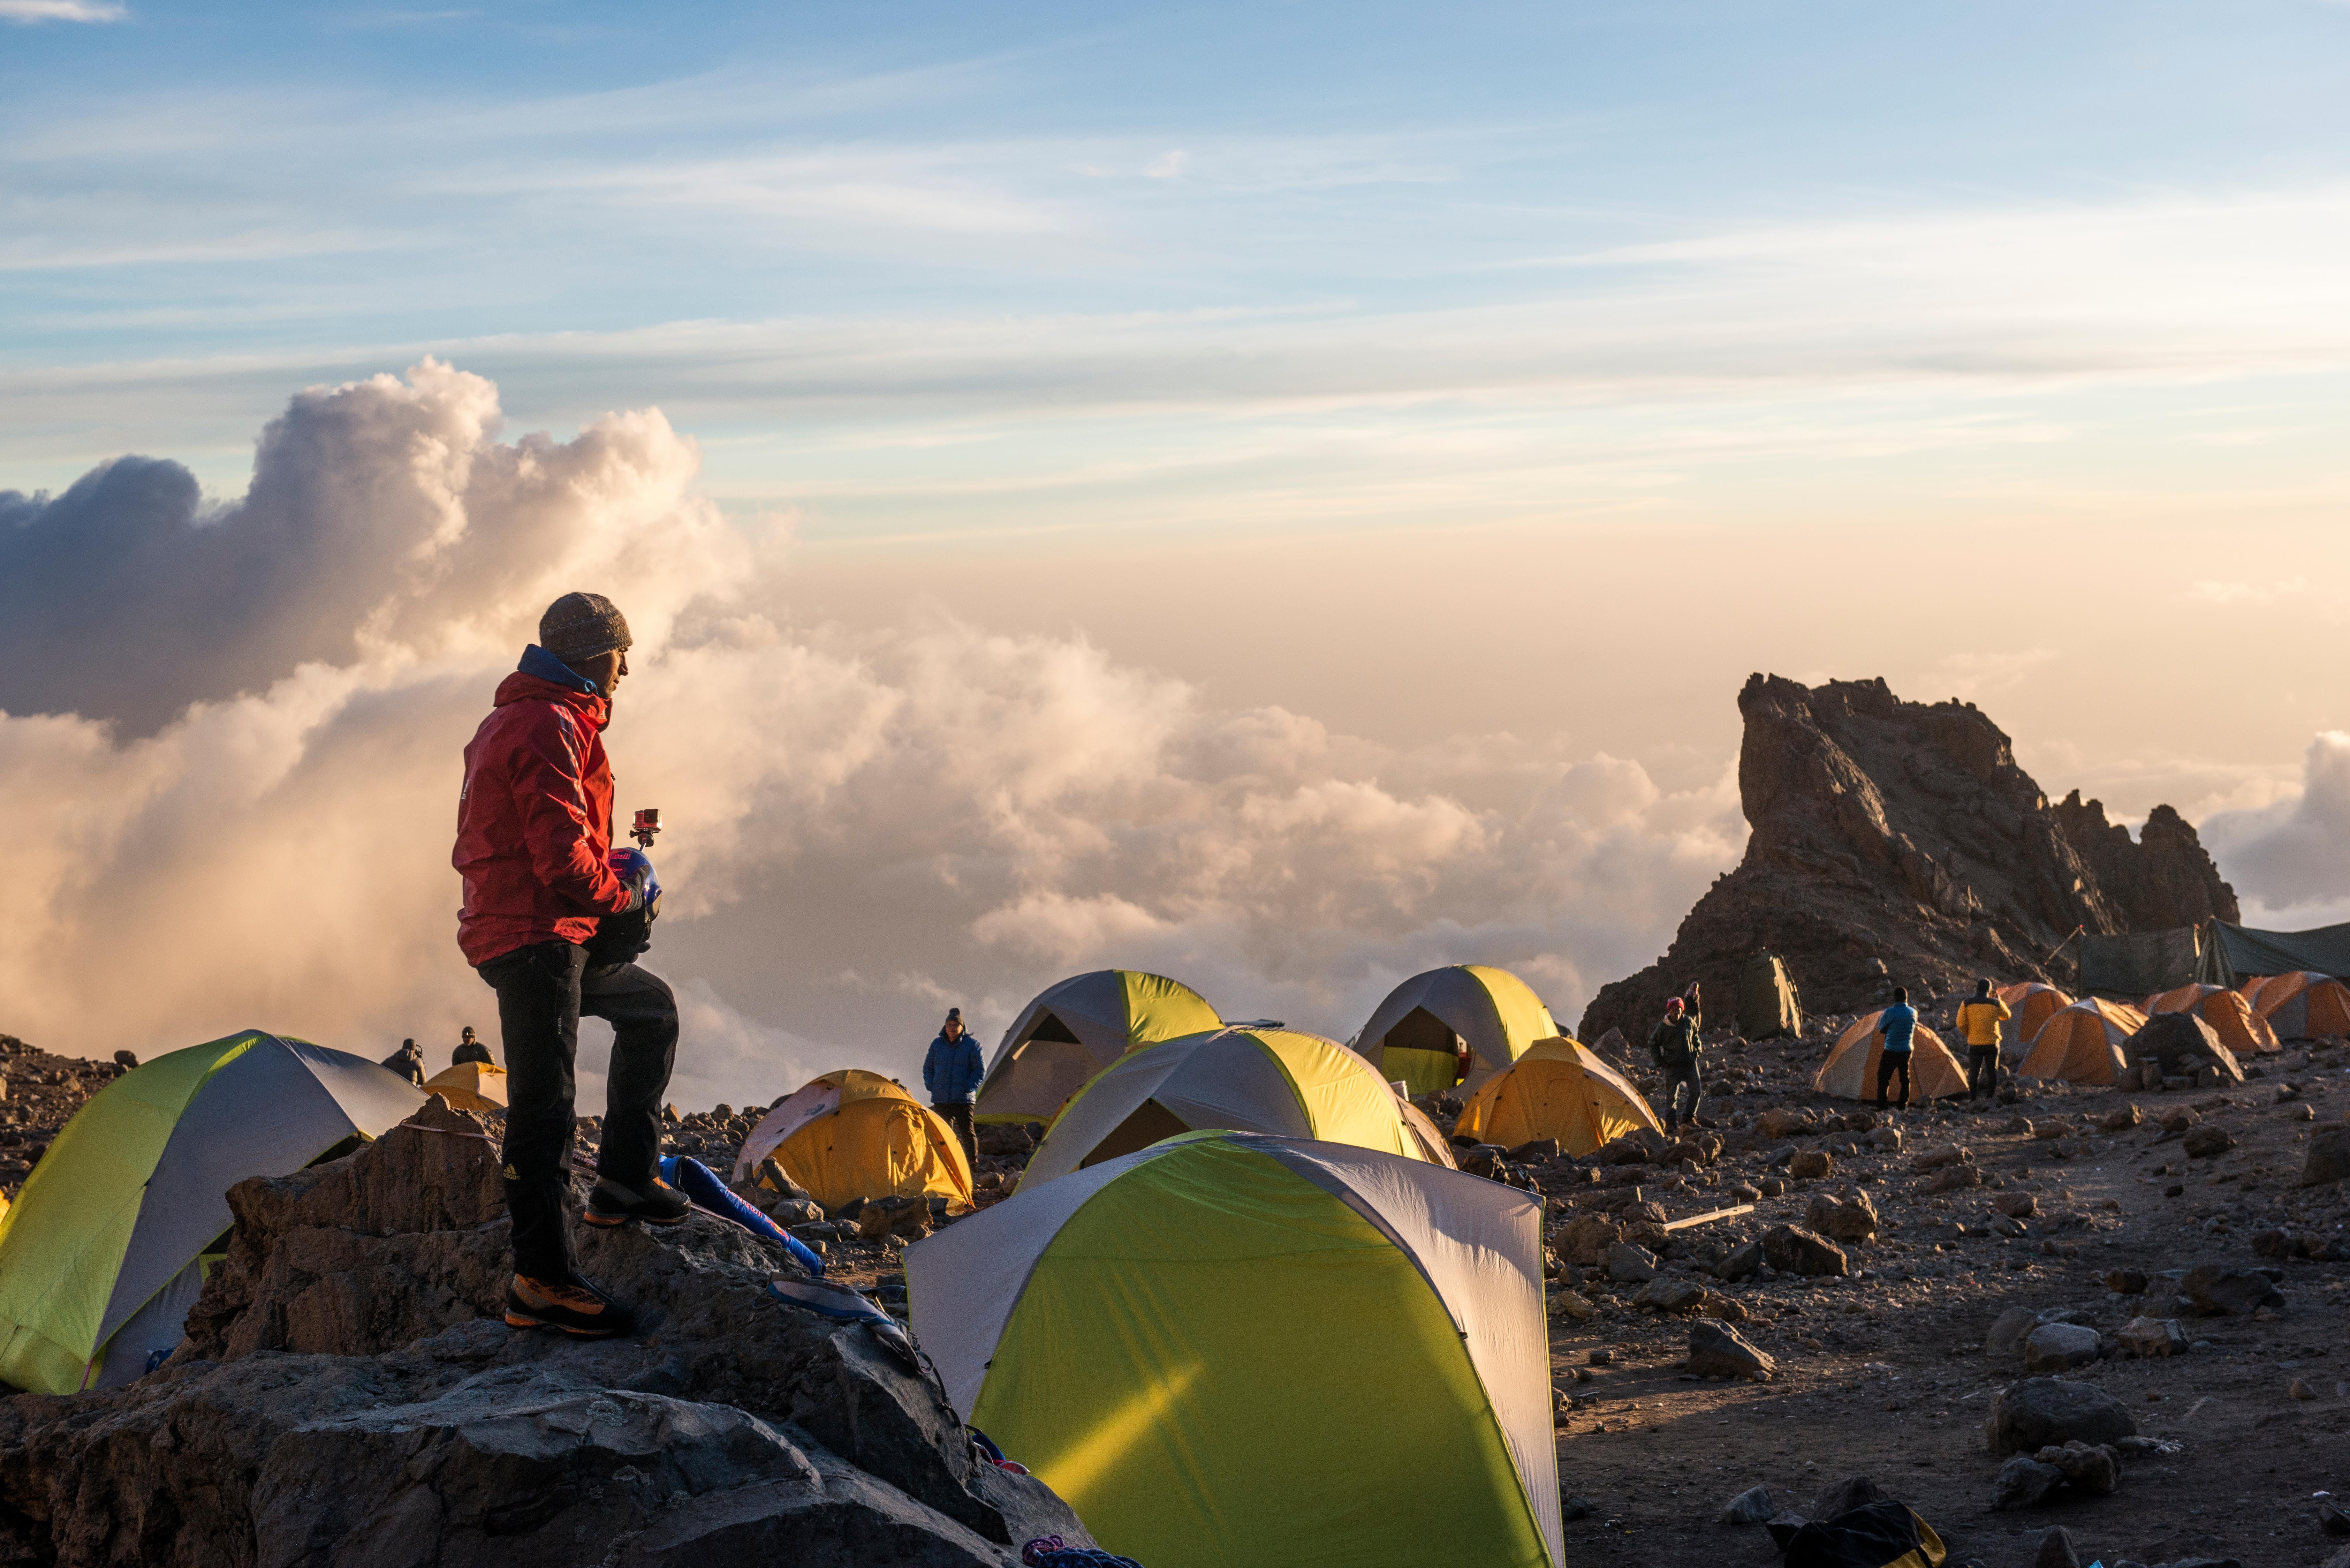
2290, 859
232, 734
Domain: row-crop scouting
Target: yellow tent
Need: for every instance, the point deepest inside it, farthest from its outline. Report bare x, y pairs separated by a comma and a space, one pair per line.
470, 1086
1075, 1029
1850, 1070
2231, 1018
1416, 1035
2083, 1043
854, 1134
2030, 1004
1239, 1080
1559, 1089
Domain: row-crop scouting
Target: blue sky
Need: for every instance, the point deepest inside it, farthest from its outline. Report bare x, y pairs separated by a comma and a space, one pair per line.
1036, 285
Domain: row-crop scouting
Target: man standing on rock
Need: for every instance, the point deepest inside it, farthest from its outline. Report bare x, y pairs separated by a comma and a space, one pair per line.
1898, 1026
551, 919
951, 1072
1678, 1046
1979, 1019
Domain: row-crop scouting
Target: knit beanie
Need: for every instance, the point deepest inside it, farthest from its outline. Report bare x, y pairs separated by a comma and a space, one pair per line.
578, 626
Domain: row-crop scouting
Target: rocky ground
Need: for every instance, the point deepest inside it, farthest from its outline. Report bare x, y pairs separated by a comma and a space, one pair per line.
1889, 1367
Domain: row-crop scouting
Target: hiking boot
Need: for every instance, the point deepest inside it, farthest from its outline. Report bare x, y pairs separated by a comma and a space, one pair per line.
612, 1204
572, 1305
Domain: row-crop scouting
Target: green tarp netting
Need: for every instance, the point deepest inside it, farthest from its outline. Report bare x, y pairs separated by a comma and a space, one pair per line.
2139, 963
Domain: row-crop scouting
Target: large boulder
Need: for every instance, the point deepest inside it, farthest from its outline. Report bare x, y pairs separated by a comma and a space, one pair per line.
2182, 1043
2058, 1348
1584, 1240
2041, 1412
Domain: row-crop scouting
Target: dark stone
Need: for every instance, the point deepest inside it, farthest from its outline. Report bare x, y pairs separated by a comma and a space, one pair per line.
2328, 1159
1717, 1350
2217, 1290
1752, 1506
2037, 1412
1792, 1249
2182, 1043
2024, 1482
2056, 1551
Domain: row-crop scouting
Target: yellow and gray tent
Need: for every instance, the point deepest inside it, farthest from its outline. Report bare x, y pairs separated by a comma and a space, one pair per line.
1231, 1347
1414, 1036
470, 1086
1075, 1029
1248, 1080
106, 1247
854, 1134
1559, 1089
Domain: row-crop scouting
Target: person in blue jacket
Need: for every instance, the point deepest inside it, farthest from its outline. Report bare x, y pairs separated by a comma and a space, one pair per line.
1898, 1025
952, 1073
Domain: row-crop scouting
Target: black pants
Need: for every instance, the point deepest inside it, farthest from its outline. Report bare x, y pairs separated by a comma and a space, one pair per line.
1888, 1063
1676, 1078
542, 990
1982, 1071
957, 1116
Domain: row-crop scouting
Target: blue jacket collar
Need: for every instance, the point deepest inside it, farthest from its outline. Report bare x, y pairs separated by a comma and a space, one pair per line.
537, 661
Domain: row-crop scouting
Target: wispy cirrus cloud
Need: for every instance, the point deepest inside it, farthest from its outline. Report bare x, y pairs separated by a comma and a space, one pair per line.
28, 11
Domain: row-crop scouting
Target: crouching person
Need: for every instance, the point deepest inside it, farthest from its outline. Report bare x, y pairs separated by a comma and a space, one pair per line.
553, 919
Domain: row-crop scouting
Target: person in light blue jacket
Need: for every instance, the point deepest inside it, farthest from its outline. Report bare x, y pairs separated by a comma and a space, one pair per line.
951, 1072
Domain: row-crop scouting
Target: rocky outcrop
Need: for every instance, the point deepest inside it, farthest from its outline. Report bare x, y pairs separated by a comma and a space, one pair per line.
349, 1394
1898, 842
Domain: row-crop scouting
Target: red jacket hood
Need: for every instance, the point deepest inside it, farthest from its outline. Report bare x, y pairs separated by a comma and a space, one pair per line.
518, 686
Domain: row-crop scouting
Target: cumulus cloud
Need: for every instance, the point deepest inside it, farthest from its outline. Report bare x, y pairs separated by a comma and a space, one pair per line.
2290, 859
231, 774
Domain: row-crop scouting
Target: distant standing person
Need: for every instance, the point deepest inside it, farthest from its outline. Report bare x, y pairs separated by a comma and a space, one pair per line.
1899, 1026
471, 1049
408, 1062
951, 1072
1679, 1047
1979, 1019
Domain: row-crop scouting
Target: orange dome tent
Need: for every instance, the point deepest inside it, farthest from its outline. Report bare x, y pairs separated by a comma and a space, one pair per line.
2083, 1043
470, 1086
855, 1134
1850, 1071
2030, 1005
2231, 1018
2304, 1006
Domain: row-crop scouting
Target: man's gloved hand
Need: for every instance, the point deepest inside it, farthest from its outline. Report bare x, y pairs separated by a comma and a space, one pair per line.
632, 866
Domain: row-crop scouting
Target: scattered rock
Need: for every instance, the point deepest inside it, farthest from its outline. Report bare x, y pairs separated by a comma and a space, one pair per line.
2056, 1551
2216, 1290
1854, 1220
1752, 1506
1717, 1350
1784, 1122
1573, 1304
2093, 1468
2126, 1282
1670, 1295
2149, 1337
2007, 1331
1574, 1508
1628, 1264
1741, 1263
2205, 1142
2024, 1482
2297, 1389
2122, 1120
2332, 1519
2328, 1159
2040, 1411
1937, 1158
1954, 1178
1810, 1164
2055, 1347
2016, 1205
1792, 1249
1586, 1237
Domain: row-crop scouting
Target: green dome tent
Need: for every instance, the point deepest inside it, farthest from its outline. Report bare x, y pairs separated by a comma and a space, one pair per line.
105, 1250
1413, 1036
1236, 1347
1075, 1029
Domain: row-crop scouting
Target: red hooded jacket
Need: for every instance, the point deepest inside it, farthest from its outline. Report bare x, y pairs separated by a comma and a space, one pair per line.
535, 822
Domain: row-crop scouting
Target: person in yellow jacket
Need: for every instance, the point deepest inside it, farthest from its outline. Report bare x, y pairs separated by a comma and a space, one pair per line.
1979, 1019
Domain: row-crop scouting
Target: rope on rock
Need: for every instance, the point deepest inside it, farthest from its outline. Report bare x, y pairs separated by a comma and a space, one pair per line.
1046, 1551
